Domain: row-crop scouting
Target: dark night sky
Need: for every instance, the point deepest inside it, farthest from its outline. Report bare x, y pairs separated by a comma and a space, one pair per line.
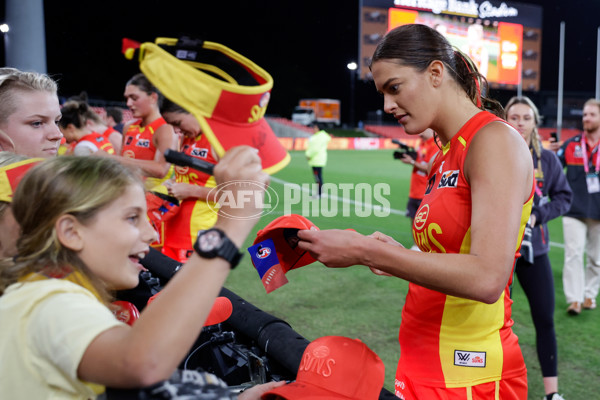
304, 45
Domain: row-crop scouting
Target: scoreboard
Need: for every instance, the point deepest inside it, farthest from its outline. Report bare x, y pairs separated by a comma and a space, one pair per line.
504, 39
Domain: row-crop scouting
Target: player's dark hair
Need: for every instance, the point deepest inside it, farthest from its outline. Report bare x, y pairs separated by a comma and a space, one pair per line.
145, 86
417, 46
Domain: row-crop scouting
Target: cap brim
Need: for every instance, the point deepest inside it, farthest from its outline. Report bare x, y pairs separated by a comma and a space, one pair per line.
299, 390
224, 135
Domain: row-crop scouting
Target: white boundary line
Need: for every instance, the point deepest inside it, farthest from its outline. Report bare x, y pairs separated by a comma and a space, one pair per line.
342, 199
348, 201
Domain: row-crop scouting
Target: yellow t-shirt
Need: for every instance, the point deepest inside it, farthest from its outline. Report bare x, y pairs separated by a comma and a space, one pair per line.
45, 328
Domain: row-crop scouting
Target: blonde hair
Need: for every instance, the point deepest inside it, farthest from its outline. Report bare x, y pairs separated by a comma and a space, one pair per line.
592, 102
79, 186
535, 136
13, 80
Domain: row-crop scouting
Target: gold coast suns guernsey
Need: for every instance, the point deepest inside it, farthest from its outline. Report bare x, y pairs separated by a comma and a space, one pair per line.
193, 214
138, 144
448, 341
137, 141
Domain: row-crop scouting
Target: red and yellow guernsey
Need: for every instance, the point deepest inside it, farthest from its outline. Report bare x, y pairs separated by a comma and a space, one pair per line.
137, 141
193, 214
448, 341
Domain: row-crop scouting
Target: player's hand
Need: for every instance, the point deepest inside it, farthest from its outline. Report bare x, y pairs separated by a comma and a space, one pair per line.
384, 238
179, 190
333, 247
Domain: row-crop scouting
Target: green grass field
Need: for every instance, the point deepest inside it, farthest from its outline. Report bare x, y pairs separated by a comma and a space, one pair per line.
355, 303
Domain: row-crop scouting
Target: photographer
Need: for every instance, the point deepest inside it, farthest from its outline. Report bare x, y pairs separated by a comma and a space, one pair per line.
418, 179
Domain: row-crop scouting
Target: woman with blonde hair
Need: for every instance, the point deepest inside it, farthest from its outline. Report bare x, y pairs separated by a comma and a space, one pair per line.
29, 112
552, 199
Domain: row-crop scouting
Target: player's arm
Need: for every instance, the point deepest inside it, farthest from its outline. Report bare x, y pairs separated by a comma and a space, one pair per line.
499, 170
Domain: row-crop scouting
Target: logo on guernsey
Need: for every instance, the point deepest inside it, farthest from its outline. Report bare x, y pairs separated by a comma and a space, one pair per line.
469, 358
421, 217
449, 179
202, 153
145, 143
318, 362
263, 252
129, 154
182, 170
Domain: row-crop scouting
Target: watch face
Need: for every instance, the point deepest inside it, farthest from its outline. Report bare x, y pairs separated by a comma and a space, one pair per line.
210, 241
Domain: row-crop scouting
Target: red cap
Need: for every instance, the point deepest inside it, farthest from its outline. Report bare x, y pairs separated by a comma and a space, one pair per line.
281, 230
335, 367
125, 311
220, 311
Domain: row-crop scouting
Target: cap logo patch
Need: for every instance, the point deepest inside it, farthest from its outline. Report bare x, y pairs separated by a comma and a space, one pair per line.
318, 362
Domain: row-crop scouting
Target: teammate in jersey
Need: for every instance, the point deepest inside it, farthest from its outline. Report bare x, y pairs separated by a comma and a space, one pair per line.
146, 138
455, 336
81, 140
191, 187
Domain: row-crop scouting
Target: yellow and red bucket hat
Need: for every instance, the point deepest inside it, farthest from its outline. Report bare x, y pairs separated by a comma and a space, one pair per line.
11, 175
226, 92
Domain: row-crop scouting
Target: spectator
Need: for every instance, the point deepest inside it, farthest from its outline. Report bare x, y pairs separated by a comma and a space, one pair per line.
552, 199
581, 224
316, 154
114, 118
456, 339
29, 111
58, 333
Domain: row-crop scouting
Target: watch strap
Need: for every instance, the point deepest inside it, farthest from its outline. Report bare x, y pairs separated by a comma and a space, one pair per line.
227, 251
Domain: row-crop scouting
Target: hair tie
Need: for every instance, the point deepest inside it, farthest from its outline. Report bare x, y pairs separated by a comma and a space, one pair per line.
475, 79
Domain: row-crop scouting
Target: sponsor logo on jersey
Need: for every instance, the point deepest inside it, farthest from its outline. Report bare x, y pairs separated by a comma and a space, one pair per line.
145, 143
430, 184
469, 358
449, 179
201, 153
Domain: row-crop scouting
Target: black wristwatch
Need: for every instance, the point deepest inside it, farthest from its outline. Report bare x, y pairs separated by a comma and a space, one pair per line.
213, 243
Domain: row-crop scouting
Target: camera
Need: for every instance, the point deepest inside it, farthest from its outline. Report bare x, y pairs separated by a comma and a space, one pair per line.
404, 149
